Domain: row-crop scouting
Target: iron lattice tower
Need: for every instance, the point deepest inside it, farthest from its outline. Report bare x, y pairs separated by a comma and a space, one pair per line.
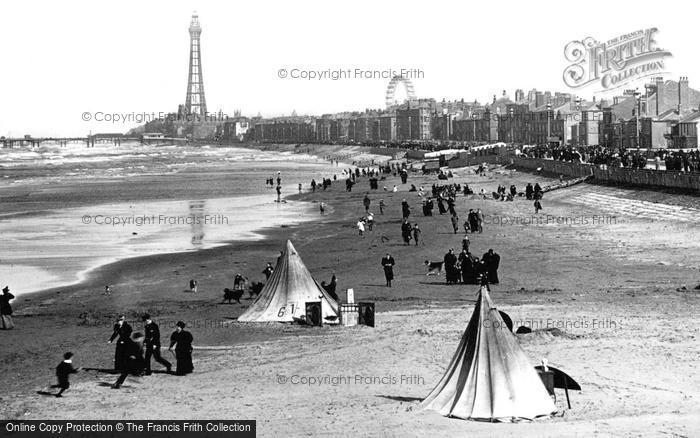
195, 102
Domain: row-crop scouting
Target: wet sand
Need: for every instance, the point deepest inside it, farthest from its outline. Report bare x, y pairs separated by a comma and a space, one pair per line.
624, 302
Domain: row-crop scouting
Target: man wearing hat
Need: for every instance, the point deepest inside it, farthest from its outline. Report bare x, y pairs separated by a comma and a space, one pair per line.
122, 332
133, 359
182, 340
152, 344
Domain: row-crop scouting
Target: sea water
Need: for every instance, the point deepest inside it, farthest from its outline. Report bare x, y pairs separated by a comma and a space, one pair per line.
45, 248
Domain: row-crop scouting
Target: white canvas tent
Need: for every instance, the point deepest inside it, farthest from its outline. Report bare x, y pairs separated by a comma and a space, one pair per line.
489, 378
289, 288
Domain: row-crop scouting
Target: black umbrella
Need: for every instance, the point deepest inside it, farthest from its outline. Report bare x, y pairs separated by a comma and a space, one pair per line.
507, 320
562, 380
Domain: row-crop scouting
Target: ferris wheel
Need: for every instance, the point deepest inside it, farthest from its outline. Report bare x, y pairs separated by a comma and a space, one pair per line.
391, 90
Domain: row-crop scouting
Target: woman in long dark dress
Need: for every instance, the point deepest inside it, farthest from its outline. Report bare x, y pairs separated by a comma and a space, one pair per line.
182, 340
6, 309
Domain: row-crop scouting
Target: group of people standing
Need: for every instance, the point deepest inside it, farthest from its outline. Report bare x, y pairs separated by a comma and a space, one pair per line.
134, 351
474, 222
468, 269
409, 232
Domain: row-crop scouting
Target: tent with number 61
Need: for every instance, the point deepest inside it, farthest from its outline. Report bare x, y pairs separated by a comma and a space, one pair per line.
287, 292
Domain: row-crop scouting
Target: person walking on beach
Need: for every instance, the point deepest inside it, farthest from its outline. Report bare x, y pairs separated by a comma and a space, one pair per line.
300, 188
388, 265
108, 290
480, 220
133, 359
382, 205
268, 271
405, 209
450, 264
63, 372
465, 243
121, 332
239, 282
193, 286
322, 207
491, 262
181, 339
370, 221
455, 222
416, 234
361, 227
406, 232
6, 309
366, 202
279, 193
152, 344
313, 185
538, 206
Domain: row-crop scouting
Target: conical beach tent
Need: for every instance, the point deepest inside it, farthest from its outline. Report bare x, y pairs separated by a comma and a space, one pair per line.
489, 378
287, 291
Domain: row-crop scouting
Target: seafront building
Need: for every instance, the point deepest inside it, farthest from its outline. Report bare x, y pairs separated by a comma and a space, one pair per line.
664, 116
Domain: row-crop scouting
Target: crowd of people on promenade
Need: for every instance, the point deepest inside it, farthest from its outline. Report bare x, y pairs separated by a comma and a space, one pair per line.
680, 160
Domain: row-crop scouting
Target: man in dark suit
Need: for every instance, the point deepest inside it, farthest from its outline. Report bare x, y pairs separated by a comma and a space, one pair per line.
388, 265
133, 359
122, 332
491, 261
152, 344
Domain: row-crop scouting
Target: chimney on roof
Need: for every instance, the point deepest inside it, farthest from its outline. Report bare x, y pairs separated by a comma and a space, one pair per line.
683, 96
659, 95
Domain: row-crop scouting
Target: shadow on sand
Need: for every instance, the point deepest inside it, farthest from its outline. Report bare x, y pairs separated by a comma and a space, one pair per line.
401, 398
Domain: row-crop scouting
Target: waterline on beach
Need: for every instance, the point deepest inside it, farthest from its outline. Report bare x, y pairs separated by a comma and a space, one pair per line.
61, 247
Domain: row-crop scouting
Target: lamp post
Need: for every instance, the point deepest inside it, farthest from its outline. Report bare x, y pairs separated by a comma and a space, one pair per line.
579, 132
637, 98
549, 127
512, 139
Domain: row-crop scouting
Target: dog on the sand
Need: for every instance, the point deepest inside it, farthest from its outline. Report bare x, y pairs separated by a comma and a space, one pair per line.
232, 295
255, 288
434, 268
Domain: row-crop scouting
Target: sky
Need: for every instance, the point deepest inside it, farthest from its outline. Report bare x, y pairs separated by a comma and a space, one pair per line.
60, 60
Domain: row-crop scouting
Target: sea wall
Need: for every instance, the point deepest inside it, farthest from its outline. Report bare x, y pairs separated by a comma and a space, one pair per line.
619, 175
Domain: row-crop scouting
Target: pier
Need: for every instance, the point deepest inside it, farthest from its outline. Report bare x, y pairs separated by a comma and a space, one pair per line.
89, 141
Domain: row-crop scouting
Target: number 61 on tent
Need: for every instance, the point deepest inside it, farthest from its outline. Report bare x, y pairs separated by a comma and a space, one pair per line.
283, 310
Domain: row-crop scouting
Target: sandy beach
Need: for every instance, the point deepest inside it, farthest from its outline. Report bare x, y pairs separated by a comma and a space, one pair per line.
617, 280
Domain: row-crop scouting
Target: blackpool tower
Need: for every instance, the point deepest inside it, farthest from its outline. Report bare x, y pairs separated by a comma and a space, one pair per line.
195, 102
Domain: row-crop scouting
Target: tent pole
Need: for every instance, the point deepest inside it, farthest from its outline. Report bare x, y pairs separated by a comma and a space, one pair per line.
566, 390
